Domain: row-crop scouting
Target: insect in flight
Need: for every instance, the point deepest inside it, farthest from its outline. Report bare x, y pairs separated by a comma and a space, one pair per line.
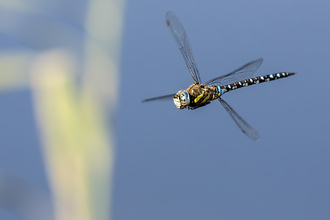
200, 94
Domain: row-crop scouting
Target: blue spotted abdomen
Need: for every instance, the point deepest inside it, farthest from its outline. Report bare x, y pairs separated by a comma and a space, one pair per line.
252, 81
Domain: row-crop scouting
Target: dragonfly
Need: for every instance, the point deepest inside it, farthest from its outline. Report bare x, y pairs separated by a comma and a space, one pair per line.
201, 94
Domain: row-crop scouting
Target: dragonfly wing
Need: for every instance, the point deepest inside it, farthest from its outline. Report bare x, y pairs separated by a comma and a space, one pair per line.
244, 72
171, 96
181, 39
243, 125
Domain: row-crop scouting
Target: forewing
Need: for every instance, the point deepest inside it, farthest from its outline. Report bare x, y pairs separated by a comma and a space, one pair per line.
243, 125
244, 72
181, 39
171, 96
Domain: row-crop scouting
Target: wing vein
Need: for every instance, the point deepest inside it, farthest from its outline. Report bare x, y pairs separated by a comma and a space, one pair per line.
247, 129
244, 72
180, 36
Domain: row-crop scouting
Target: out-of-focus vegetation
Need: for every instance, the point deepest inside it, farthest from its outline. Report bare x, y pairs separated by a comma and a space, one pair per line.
67, 53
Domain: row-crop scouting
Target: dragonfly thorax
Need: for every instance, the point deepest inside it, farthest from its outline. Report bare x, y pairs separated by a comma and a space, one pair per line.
181, 99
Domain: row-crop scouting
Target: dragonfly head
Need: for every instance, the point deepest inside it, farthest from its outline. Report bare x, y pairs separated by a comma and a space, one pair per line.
181, 99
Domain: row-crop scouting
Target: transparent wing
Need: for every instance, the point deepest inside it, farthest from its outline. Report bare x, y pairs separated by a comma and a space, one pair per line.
181, 39
244, 72
171, 96
243, 125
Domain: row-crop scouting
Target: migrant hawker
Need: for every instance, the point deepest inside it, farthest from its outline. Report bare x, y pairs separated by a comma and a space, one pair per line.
200, 94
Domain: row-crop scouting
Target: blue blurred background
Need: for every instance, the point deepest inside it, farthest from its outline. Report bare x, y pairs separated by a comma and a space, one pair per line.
180, 164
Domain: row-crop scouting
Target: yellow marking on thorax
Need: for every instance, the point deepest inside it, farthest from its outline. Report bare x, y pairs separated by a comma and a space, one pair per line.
199, 97
206, 98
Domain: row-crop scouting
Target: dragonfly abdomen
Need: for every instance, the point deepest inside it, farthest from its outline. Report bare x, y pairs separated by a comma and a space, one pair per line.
252, 81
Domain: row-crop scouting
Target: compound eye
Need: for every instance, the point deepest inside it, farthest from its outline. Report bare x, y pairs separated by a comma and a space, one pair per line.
183, 97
